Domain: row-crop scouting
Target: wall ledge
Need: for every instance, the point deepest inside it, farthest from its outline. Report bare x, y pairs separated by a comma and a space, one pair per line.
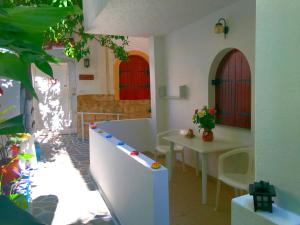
243, 213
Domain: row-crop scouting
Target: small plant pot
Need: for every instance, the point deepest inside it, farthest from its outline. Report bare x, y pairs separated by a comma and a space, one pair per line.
207, 135
10, 172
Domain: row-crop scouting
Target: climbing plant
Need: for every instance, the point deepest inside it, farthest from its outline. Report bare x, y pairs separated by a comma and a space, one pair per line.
70, 31
26, 26
22, 31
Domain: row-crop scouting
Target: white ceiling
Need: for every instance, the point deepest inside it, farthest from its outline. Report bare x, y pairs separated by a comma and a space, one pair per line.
149, 17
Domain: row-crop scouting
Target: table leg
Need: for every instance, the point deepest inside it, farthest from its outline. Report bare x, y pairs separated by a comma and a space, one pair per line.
197, 164
170, 160
204, 178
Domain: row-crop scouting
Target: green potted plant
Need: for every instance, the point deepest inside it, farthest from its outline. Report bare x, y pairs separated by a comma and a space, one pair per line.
205, 119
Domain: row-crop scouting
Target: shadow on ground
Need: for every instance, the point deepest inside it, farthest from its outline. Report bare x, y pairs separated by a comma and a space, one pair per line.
97, 220
43, 208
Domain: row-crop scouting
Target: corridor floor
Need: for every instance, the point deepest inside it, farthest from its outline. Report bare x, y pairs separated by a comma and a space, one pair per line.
63, 192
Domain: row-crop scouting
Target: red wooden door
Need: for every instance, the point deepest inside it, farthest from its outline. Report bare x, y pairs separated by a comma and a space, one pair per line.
233, 91
134, 79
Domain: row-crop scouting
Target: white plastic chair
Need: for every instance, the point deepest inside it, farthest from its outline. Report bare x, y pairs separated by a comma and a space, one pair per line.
163, 146
236, 169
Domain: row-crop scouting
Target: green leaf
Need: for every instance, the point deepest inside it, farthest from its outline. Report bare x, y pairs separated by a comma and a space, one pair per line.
5, 42
12, 126
3, 12
22, 32
13, 67
36, 19
25, 156
20, 200
45, 67
13, 197
4, 26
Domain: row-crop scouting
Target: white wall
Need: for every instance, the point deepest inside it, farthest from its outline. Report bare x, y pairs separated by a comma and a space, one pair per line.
138, 43
97, 68
189, 53
91, 10
157, 78
71, 83
277, 99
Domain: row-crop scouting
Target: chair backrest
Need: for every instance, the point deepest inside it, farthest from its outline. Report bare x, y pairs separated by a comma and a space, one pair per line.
160, 135
236, 153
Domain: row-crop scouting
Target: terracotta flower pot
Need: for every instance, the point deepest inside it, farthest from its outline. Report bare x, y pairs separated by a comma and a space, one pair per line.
15, 150
207, 135
10, 171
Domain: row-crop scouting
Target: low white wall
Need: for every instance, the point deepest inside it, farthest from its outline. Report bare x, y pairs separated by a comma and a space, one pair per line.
242, 212
134, 132
136, 194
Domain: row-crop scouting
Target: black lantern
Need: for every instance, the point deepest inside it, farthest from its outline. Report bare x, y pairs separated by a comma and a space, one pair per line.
262, 193
86, 62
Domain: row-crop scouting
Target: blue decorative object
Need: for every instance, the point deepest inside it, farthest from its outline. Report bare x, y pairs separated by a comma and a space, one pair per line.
120, 143
37, 151
108, 136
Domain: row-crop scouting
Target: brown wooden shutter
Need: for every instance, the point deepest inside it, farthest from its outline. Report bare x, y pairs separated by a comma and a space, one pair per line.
233, 91
243, 89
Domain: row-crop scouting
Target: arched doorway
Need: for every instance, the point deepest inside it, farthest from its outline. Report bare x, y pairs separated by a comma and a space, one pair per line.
132, 77
233, 90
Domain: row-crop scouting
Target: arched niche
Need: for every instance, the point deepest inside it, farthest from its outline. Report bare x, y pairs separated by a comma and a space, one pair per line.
231, 67
212, 74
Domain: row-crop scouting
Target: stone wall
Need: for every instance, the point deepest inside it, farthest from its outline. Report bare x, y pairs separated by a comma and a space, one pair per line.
129, 109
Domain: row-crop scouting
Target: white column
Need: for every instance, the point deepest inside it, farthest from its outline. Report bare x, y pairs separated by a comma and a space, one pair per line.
157, 79
277, 98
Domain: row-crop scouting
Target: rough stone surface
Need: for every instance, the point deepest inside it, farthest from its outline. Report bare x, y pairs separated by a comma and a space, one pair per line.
63, 192
130, 109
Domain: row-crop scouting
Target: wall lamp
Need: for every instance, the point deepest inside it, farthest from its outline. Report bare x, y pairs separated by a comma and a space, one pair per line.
221, 27
86, 62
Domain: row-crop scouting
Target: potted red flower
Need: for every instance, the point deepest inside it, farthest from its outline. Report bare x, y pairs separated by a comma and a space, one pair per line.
205, 119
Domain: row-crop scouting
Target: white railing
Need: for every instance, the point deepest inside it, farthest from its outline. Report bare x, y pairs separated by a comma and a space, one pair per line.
95, 114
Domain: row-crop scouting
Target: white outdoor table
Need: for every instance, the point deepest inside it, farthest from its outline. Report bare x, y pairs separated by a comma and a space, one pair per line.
201, 148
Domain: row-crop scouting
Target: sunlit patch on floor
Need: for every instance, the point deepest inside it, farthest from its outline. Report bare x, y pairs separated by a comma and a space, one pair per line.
63, 191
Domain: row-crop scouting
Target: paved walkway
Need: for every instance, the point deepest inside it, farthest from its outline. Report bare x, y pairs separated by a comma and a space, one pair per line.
63, 192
